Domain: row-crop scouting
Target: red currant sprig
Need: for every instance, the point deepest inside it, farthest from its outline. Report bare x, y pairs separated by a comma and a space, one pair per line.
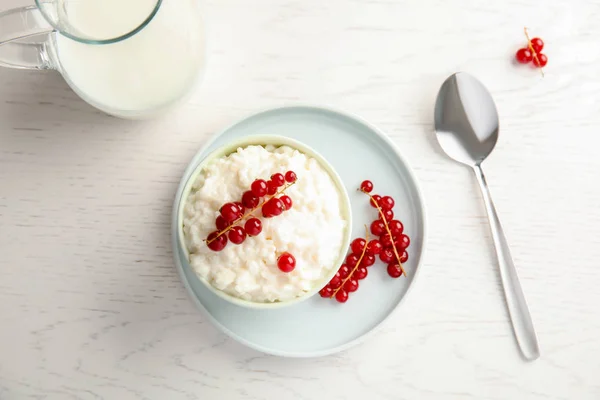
346, 279
533, 52
231, 214
390, 232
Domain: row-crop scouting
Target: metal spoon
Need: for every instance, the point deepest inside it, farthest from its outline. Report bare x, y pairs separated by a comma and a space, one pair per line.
466, 124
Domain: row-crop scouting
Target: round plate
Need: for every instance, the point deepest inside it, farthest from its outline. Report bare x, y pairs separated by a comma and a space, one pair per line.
357, 151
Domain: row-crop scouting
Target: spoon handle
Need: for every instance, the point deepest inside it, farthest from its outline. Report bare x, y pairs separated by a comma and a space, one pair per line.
515, 300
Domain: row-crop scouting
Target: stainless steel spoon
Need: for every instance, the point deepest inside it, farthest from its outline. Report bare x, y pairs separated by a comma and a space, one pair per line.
466, 124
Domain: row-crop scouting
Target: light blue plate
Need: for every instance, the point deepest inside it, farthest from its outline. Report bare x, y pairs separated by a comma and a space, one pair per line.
318, 326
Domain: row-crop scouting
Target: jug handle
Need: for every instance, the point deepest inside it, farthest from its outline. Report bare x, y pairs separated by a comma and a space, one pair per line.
24, 39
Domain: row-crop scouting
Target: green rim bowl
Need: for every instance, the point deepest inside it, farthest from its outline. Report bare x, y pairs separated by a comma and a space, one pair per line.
264, 140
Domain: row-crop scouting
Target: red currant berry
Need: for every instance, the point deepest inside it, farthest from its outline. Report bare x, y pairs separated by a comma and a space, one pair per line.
216, 243
272, 208
537, 44
290, 176
336, 281
278, 179
396, 227
386, 241
287, 201
387, 203
387, 255
541, 60
388, 215
253, 226
259, 187
366, 186
375, 200
402, 242
271, 188
374, 247
221, 223
368, 260
237, 235
393, 270
230, 212
240, 207
524, 56
358, 245
378, 228
249, 199
344, 271
286, 262
341, 296
404, 257
351, 285
352, 260
326, 292
360, 273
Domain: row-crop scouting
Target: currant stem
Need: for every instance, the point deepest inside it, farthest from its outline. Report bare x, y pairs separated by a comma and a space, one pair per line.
533, 51
357, 264
249, 213
387, 228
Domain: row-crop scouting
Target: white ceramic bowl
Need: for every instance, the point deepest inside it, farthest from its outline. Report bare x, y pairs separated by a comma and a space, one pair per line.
276, 141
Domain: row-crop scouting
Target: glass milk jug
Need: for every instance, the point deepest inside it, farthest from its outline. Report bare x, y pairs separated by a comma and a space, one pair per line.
129, 58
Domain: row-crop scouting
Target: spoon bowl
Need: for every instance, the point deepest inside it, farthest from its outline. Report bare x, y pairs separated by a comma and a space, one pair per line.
466, 119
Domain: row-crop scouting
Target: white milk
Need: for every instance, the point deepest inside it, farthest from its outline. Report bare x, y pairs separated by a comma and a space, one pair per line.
144, 73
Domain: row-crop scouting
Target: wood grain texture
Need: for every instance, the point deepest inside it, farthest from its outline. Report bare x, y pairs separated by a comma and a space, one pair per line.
91, 306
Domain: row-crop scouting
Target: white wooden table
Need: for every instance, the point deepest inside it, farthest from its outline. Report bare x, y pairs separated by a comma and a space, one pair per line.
91, 306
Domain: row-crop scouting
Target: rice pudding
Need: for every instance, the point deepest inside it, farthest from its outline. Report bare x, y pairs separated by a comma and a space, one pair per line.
313, 230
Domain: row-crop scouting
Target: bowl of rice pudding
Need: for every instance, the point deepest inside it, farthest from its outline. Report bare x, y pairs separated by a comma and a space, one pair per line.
315, 229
